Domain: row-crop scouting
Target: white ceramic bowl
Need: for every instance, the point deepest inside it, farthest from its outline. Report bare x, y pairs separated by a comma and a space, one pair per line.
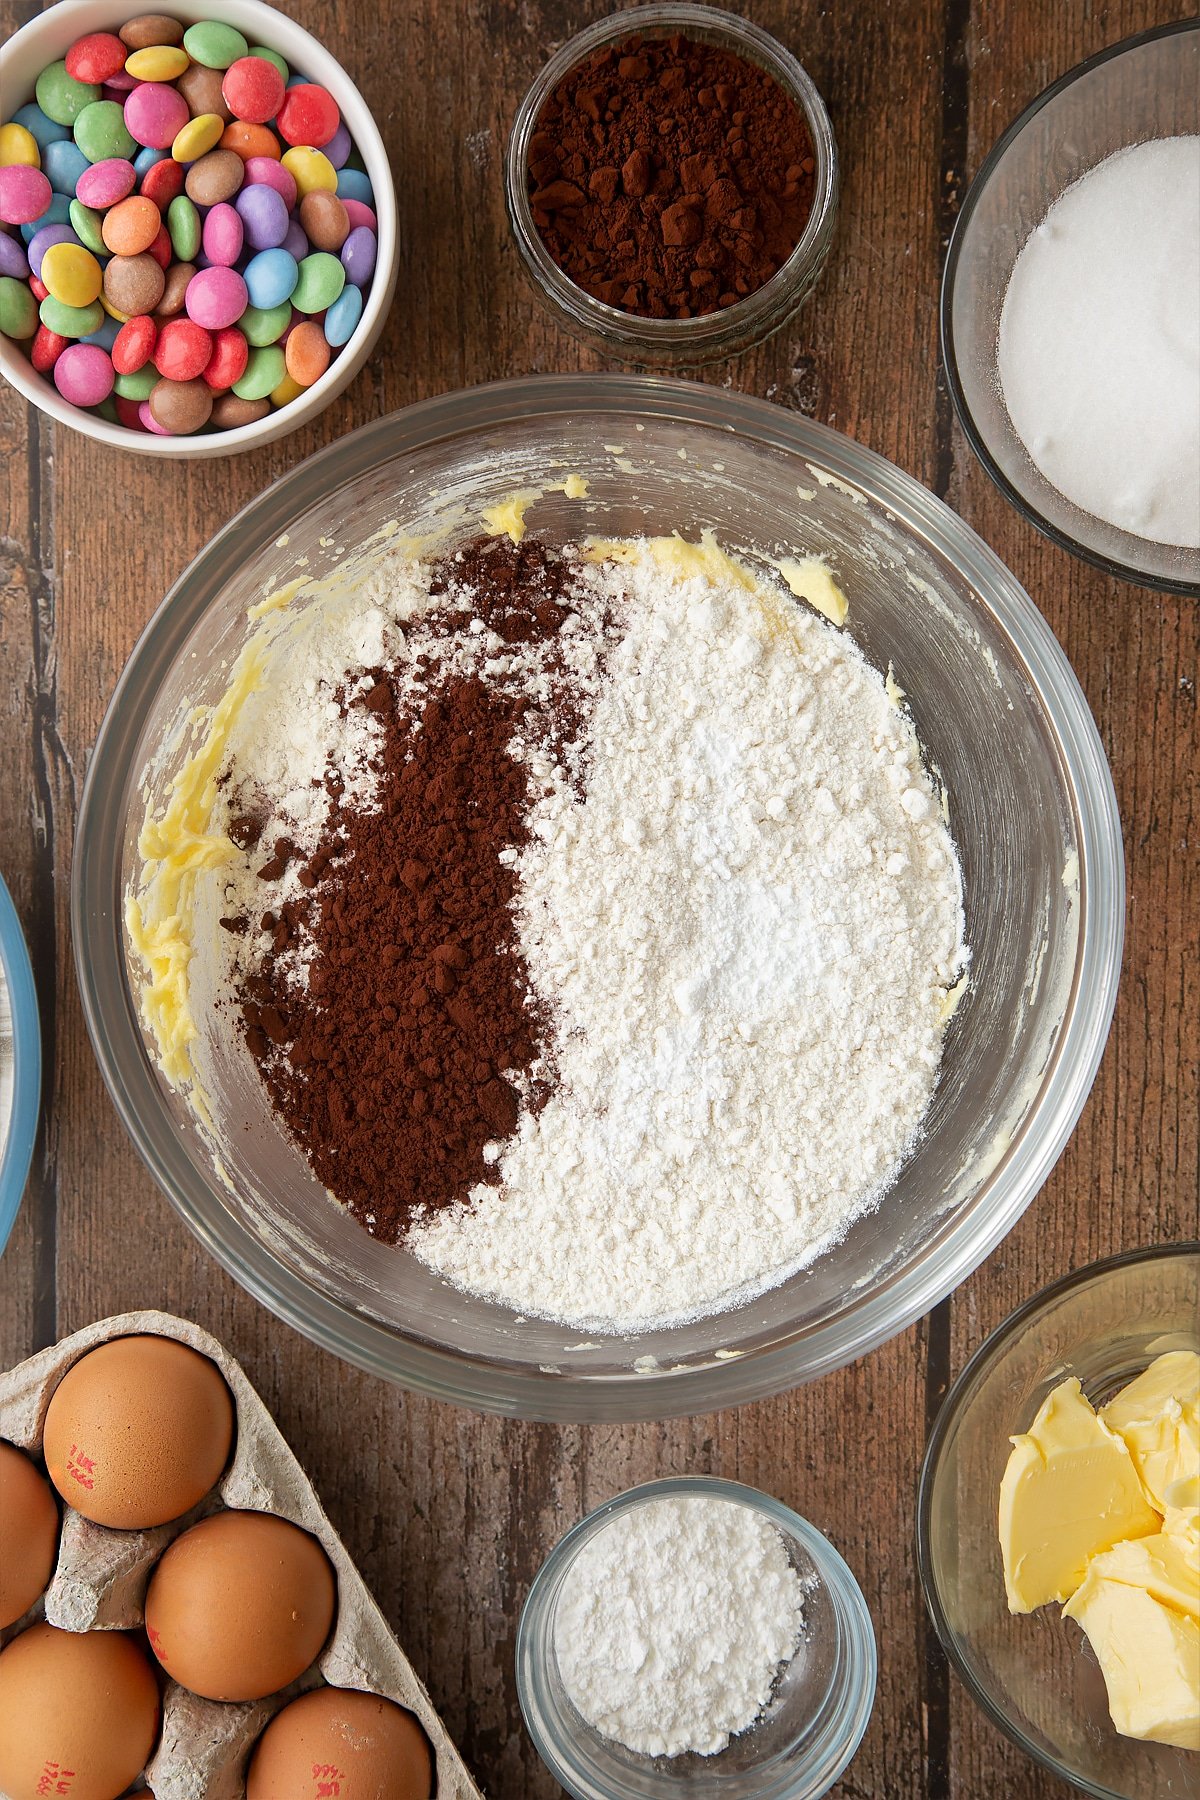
45, 40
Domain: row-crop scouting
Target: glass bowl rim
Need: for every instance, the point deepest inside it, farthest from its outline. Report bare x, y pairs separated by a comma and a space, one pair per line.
867, 1320
1130, 572
708, 334
986, 1353
848, 1598
16, 1149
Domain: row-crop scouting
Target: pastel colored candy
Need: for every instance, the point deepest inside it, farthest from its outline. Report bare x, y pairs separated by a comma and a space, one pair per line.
150, 28
101, 131
339, 146
197, 137
183, 349
57, 213
19, 146
353, 184
183, 223
214, 44
273, 57
229, 411
216, 298
227, 363
88, 226
320, 279
358, 256
267, 171
147, 420
43, 130
342, 317
157, 62
266, 326
181, 407
295, 243
72, 274
18, 308
139, 384
265, 369
83, 374
223, 235
249, 140
201, 88
155, 114
264, 215
253, 89
61, 97
14, 262
310, 170
44, 240
133, 285
163, 181
271, 278
45, 349
25, 194
105, 337
325, 220
307, 353
287, 391
309, 115
131, 226
64, 165
134, 346
71, 321
104, 183
359, 213
149, 158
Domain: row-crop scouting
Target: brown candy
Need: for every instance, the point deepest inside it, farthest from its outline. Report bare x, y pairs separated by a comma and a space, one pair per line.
325, 220
181, 406
134, 284
216, 177
174, 288
201, 88
230, 411
151, 28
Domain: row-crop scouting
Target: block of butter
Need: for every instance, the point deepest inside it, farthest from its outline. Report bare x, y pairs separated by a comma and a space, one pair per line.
1103, 1512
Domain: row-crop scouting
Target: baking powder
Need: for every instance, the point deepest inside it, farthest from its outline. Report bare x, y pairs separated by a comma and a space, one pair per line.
674, 1622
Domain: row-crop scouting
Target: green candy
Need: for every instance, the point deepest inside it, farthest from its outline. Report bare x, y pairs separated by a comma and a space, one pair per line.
61, 97
271, 56
213, 44
183, 228
265, 325
18, 308
101, 132
70, 321
106, 410
138, 385
321, 280
85, 223
264, 372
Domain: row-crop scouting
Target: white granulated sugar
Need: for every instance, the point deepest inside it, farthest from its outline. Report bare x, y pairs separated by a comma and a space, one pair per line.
744, 932
674, 1622
1099, 348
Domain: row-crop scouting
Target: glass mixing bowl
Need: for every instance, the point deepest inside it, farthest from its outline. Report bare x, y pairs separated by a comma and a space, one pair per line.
818, 1711
1146, 87
1002, 719
1034, 1674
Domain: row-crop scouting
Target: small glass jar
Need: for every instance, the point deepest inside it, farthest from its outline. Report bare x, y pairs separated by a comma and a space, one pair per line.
812, 1725
628, 337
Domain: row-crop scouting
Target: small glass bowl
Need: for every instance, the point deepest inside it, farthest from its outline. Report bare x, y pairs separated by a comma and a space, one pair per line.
627, 337
809, 1731
1034, 1674
1144, 87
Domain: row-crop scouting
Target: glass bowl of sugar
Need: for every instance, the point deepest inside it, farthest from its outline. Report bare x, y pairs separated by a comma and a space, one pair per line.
694, 1636
1071, 310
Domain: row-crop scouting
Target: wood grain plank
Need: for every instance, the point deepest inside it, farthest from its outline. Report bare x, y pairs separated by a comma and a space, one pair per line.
449, 1514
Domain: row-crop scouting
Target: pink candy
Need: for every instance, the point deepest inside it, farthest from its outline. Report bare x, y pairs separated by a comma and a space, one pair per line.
155, 114
83, 374
216, 298
359, 213
148, 420
223, 234
264, 171
25, 194
104, 183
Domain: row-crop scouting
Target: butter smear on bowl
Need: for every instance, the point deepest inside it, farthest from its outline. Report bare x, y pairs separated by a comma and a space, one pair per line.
1102, 1511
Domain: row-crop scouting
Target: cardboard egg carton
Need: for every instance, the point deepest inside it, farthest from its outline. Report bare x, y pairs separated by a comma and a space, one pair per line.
101, 1576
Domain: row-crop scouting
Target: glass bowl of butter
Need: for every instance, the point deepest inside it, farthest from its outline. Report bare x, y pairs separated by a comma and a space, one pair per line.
1058, 1528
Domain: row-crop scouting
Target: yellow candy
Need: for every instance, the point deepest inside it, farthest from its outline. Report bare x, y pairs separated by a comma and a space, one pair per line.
17, 145
310, 170
72, 274
287, 391
199, 136
160, 62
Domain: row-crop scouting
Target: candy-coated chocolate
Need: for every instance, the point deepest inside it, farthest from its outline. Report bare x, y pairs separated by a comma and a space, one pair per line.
230, 410
155, 114
198, 136
214, 178
18, 308
320, 279
201, 88
162, 181
263, 326
354, 184
223, 235
310, 170
358, 256
227, 363
46, 348
339, 146
18, 146
43, 239
250, 140
101, 131
183, 349
271, 278
13, 258
175, 289
72, 274
83, 374
24, 194
157, 62
133, 285
161, 250
61, 97
265, 369
64, 165
43, 130
288, 390
264, 216
180, 407
309, 115
134, 346
325, 220
215, 298
150, 28
88, 226
97, 57
307, 353
254, 89
268, 171
70, 321
131, 226
183, 223
342, 317
104, 183
214, 44
273, 57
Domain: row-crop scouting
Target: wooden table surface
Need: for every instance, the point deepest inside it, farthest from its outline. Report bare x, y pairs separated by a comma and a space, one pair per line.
449, 1514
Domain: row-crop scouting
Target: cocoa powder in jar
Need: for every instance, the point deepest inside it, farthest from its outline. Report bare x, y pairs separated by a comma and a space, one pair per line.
669, 177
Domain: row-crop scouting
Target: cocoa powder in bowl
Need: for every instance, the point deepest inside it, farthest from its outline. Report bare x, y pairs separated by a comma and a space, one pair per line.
669, 177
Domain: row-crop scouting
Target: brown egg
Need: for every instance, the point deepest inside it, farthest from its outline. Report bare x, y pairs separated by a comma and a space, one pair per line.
341, 1741
28, 1534
138, 1431
78, 1714
240, 1605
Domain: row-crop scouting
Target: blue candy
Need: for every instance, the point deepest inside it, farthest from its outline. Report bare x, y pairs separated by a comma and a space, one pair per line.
271, 277
57, 213
343, 316
106, 337
63, 164
43, 128
146, 159
353, 184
